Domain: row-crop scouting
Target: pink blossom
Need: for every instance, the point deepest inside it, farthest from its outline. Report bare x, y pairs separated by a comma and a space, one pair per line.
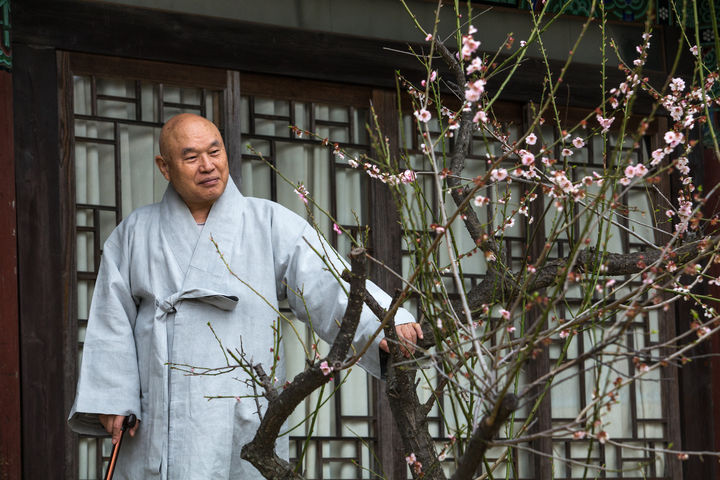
498, 174
527, 158
531, 139
408, 176
469, 46
337, 229
523, 43
472, 95
481, 201
676, 112
474, 90
579, 435
325, 368
302, 192
428, 37
657, 156
603, 437
681, 165
694, 50
566, 152
564, 333
480, 116
677, 85
673, 138
578, 142
505, 314
423, 115
410, 459
475, 66
630, 171
640, 170
605, 123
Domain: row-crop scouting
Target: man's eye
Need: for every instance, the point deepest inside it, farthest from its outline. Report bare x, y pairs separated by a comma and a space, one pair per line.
215, 152
190, 159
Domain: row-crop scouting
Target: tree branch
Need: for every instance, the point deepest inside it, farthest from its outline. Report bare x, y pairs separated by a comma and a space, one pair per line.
482, 437
261, 450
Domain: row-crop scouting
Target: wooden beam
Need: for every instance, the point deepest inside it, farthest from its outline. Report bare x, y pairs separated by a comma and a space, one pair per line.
10, 456
116, 30
44, 276
146, 70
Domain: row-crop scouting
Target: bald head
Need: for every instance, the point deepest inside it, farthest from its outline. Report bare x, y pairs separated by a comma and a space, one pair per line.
193, 159
176, 125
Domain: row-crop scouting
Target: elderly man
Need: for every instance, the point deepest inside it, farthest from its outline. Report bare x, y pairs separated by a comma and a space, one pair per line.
160, 283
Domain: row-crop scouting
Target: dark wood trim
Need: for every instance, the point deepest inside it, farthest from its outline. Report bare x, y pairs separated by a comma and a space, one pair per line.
385, 237
695, 379
666, 320
44, 281
540, 365
115, 30
712, 207
10, 449
67, 193
161, 72
301, 90
232, 125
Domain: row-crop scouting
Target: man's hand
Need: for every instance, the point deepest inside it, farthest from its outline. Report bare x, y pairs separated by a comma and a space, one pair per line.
408, 334
113, 425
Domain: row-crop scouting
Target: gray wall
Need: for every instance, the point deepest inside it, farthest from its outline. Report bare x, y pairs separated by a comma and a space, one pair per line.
388, 19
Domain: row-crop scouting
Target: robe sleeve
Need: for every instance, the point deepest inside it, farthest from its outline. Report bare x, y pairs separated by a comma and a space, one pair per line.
302, 269
109, 381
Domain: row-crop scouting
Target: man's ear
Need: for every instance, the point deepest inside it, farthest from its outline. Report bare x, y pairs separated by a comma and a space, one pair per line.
162, 166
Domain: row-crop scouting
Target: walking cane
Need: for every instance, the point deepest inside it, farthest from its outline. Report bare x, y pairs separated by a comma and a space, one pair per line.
128, 422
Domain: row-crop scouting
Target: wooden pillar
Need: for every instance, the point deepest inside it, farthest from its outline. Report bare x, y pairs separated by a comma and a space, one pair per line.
10, 452
540, 364
44, 272
385, 233
711, 178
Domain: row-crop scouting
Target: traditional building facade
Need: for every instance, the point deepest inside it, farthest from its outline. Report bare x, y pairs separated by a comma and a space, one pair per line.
85, 87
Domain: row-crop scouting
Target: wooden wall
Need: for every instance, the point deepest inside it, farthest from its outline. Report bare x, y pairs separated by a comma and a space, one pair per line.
9, 335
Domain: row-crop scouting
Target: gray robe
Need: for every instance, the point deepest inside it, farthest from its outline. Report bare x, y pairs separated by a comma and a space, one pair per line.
160, 282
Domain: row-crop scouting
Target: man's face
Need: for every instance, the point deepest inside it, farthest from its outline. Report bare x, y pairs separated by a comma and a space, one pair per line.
195, 162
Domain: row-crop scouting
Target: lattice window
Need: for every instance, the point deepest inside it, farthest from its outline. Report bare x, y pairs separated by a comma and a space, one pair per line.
344, 430
641, 419
116, 129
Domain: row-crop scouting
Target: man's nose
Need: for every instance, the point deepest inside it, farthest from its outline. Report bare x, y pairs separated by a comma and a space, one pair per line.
206, 164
